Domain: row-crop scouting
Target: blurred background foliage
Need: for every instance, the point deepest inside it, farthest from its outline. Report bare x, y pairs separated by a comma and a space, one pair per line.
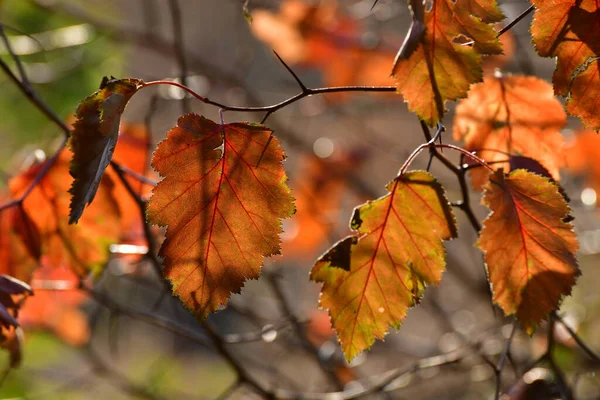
65, 60
342, 151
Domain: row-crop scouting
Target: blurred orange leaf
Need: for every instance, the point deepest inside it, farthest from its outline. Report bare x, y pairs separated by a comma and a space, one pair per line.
507, 115
82, 248
319, 191
55, 305
222, 207
529, 249
371, 279
322, 37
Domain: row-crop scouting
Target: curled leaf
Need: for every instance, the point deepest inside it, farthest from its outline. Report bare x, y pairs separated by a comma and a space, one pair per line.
94, 138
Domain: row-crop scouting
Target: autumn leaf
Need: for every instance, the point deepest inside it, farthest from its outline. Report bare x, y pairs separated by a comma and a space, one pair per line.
222, 207
84, 247
529, 249
20, 243
583, 152
511, 115
372, 278
444, 57
570, 31
94, 138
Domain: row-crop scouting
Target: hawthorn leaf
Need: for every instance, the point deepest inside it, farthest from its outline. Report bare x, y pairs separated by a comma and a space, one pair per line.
511, 115
223, 204
372, 278
94, 138
83, 247
570, 31
446, 59
529, 248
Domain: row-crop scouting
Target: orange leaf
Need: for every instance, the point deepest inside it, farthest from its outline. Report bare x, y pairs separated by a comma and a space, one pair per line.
55, 305
570, 31
94, 138
435, 63
222, 207
20, 243
507, 115
82, 248
529, 249
371, 279
319, 35
320, 190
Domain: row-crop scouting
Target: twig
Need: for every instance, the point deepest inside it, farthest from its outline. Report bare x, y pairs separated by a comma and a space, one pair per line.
179, 47
118, 379
300, 330
586, 349
515, 21
500, 366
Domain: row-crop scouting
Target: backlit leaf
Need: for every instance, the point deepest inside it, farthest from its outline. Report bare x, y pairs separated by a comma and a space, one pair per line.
84, 247
94, 138
372, 278
441, 64
570, 31
222, 207
529, 249
511, 115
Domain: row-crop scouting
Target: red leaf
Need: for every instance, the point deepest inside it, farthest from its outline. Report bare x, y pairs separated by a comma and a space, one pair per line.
529, 249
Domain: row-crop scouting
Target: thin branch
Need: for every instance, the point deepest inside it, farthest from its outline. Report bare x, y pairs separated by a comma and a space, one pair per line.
503, 358
17, 60
300, 330
118, 379
36, 100
275, 107
586, 349
179, 47
291, 71
515, 21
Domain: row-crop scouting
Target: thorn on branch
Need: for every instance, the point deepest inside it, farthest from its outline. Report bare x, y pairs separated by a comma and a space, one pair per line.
296, 78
